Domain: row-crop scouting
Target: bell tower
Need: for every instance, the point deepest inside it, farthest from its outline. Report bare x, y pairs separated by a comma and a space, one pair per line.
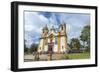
63, 28
43, 39
45, 31
63, 32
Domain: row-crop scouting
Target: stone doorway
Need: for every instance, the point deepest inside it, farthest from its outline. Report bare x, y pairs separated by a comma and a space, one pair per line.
50, 47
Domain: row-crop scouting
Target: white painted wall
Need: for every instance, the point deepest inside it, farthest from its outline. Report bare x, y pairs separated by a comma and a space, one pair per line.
46, 48
55, 48
5, 36
63, 44
40, 45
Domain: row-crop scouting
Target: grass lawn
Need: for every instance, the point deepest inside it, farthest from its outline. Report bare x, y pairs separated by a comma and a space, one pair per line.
78, 56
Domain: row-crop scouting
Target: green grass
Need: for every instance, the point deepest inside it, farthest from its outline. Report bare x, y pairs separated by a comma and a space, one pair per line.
78, 56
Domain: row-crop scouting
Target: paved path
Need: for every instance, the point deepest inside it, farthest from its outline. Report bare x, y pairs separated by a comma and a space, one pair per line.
44, 57
28, 58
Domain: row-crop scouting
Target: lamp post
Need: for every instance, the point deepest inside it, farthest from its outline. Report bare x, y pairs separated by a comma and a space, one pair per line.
49, 56
36, 56
50, 47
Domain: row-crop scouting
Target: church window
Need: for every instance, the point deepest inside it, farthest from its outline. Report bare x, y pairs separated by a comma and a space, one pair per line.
40, 48
61, 28
62, 47
56, 40
46, 42
43, 31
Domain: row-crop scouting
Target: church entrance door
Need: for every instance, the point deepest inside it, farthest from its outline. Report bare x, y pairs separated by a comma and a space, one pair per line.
50, 46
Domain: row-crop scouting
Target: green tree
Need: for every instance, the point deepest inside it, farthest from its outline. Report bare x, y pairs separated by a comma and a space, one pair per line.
85, 37
75, 44
33, 48
25, 48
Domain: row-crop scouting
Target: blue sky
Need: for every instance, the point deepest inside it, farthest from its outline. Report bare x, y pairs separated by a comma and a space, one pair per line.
35, 21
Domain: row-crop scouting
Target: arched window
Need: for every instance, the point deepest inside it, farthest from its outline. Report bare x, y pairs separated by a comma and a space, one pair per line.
62, 47
43, 31
62, 28
40, 48
46, 42
56, 40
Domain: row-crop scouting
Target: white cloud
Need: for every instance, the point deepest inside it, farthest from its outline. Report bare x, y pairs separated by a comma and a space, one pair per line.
52, 19
43, 19
68, 28
33, 26
34, 22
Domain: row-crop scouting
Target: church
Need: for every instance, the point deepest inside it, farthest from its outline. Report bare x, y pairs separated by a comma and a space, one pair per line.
53, 39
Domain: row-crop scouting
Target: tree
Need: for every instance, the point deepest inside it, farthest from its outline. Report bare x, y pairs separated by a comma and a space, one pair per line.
75, 44
85, 37
25, 48
33, 48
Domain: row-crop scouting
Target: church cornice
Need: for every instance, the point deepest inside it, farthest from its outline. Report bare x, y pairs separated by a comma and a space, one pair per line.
54, 36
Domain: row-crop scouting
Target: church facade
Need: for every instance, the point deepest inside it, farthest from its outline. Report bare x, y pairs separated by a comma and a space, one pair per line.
53, 40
